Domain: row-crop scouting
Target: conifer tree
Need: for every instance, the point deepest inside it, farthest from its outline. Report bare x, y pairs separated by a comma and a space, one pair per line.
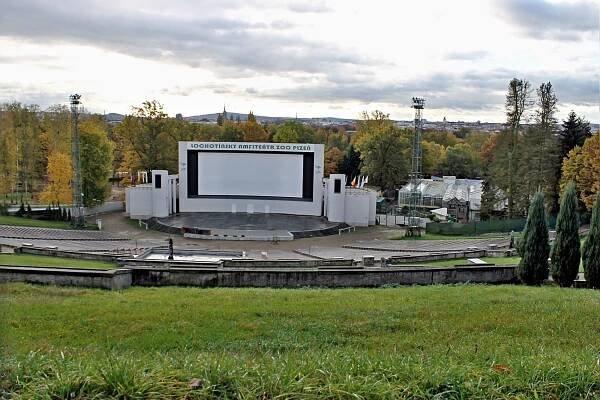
566, 254
534, 247
574, 132
591, 249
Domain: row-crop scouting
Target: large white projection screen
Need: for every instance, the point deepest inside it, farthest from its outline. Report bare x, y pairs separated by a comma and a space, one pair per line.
250, 174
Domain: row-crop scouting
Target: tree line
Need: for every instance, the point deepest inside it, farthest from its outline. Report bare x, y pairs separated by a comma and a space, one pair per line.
526, 159
514, 164
35, 155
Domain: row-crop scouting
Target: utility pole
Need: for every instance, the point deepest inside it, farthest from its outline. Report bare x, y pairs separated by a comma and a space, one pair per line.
77, 215
416, 199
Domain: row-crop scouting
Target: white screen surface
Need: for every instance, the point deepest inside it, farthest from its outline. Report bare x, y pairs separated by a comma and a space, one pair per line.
250, 174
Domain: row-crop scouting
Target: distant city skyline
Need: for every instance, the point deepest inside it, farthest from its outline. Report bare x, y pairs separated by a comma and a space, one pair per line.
330, 58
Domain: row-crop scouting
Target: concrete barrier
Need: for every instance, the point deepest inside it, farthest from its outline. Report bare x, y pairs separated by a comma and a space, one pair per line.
316, 277
104, 279
161, 273
44, 251
287, 263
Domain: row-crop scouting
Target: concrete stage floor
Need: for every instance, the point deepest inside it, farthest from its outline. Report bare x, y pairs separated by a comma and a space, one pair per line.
298, 225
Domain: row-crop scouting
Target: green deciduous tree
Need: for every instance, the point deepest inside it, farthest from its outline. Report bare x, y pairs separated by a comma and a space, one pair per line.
591, 249
145, 135
231, 132
294, 132
566, 255
433, 156
385, 154
96, 160
461, 161
534, 246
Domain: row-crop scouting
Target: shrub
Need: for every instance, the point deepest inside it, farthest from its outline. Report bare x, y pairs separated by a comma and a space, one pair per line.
566, 254
591, 249
533, 268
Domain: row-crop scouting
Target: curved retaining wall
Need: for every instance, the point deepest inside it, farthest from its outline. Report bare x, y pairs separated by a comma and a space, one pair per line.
156, 224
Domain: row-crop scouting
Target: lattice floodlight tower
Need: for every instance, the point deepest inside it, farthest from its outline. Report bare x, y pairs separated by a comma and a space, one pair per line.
77, 215
416, 200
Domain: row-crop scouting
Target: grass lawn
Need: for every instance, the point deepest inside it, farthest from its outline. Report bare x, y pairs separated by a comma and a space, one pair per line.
18, 221
47, 261
459, 342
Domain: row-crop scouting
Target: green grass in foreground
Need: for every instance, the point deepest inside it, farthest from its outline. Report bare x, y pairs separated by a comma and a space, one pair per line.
48, 261
19, 221
459, 342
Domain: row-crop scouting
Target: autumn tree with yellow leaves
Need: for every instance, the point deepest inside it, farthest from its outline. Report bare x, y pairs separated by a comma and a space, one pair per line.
582, 166
60, 173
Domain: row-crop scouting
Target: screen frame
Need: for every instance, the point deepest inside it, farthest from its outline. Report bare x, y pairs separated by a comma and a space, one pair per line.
308, 164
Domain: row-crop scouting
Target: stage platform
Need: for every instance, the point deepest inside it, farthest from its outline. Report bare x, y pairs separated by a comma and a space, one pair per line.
242, 226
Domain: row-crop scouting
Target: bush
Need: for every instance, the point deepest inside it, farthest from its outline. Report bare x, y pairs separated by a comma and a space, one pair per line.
566, 254
591, 249
534, 247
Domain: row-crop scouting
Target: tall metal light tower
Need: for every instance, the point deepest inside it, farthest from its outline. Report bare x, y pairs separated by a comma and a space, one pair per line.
416, 199
77, 216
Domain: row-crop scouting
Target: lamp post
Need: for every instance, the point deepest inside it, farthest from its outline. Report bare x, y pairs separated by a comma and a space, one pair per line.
78, 220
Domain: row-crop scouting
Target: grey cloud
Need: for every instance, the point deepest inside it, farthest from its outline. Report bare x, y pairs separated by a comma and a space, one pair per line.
467, 55
308, 7
468, 91
227, 45
26, 94
541, 19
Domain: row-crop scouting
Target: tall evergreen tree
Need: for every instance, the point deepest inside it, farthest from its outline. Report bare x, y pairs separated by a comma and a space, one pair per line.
591, 249
534, 246
574, 132
566, 254
350, 165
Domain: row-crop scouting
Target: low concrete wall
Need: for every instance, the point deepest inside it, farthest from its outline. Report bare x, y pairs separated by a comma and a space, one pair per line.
328, 277
104, 279
249, 263
437, 256
43, 251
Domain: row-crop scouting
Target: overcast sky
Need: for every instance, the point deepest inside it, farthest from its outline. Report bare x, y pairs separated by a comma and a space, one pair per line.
310, 58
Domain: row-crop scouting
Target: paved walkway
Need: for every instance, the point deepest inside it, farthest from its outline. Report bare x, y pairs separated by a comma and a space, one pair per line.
428, 245
121, 236
23, 232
